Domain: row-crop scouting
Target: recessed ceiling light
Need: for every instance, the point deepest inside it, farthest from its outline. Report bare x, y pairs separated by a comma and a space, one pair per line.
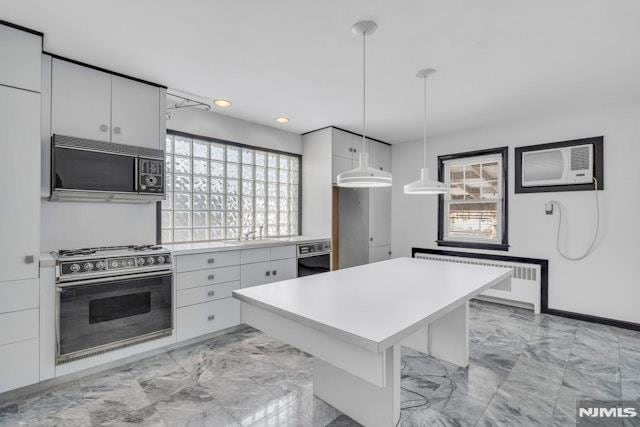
282, 120
222, 103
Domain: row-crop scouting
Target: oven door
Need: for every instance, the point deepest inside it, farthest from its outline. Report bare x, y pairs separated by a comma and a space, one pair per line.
99, 315
86, 170
314, 264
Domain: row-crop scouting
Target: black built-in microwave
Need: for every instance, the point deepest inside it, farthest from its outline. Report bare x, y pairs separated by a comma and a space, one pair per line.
98, 170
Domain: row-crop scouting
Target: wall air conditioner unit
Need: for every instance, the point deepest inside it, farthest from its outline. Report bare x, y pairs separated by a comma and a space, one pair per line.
558, 166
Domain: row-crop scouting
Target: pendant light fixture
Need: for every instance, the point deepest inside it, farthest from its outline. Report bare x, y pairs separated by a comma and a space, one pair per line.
425, 185
364, 175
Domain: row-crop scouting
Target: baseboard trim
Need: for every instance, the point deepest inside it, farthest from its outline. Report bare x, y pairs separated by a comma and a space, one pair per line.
594, 319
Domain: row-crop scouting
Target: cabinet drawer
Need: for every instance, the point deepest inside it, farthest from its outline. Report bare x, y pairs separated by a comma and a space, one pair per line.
208, 260
18, 295
206, 293
207, 317
18, 364
18, 326
283, 252
193, 279
249, 256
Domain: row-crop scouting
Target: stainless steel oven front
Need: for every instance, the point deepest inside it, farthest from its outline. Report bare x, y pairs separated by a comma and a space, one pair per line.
103, 314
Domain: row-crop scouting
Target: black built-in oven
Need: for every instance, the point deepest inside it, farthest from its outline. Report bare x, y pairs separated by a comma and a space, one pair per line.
314, 258
98, 315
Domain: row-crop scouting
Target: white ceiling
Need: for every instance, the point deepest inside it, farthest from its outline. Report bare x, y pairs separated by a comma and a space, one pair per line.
497, 60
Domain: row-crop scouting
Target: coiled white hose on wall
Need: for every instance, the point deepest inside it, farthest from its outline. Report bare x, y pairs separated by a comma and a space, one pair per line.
592, 245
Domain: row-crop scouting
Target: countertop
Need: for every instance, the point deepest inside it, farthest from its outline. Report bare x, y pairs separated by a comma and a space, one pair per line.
203, 247
375, 306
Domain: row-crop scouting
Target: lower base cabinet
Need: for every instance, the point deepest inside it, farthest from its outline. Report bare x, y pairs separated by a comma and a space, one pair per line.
208, 317
19, 364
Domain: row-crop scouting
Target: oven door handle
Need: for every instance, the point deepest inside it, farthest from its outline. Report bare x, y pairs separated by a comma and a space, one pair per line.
113, 279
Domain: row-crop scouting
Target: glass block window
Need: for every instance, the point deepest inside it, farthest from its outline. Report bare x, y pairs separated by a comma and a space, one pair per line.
218, 191
473, 208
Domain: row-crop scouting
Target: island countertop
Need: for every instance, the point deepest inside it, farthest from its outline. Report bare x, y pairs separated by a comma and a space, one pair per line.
375, 305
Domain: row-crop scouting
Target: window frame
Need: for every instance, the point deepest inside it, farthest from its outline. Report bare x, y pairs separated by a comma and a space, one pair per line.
502, 243
173, 132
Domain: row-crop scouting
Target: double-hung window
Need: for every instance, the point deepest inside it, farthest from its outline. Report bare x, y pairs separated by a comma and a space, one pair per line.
218, 190
474, 212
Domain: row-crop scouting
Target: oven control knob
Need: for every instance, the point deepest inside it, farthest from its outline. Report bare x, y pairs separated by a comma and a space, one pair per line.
160, 259
100, 265
150, 180
150, 260
130, 263
140, 261
75, 268
114, 264
88, 266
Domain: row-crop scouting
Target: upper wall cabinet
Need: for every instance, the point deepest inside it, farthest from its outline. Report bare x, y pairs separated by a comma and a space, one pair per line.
20, 52
135, 115
80, 101
88, 103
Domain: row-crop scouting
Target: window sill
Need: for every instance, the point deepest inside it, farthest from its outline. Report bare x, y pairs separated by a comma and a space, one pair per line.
473, 245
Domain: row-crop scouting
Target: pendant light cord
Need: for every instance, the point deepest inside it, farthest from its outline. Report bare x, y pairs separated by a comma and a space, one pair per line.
364, 92
424, 127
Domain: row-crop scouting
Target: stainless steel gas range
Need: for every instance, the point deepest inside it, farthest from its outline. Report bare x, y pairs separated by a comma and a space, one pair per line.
111, 297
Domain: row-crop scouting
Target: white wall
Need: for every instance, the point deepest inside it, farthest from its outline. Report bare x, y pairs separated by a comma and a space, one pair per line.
604, 284
207, 123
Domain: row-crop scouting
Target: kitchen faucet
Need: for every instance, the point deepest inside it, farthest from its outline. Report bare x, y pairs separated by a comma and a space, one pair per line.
249, 233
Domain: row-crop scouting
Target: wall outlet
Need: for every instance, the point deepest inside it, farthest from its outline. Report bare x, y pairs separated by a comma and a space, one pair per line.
548, 208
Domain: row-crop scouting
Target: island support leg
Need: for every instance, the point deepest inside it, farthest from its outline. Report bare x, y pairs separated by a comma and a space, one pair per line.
361, 400
446, 338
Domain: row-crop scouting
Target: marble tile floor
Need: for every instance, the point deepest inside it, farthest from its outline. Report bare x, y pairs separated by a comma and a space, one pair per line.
525, 370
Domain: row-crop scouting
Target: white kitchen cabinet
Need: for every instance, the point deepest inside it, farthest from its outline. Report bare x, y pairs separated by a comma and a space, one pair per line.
284, 269
20, 52
206, 261
379, 216
80, 101
339, 165
93, 104
135, 113
20, 175
379, 253
255, 274
282, 265
18, 364
200, 319
342, 143
380, 156
202, 294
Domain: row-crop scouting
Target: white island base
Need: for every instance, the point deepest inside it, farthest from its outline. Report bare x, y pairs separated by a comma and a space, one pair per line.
365, 385
354, 322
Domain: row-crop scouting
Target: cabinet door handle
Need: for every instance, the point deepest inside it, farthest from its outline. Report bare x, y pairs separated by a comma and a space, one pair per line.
274, 272
29, 259
211, 277
371, 239
267, 273
211, 260
211, 317
117, 130
211, 293
104, 128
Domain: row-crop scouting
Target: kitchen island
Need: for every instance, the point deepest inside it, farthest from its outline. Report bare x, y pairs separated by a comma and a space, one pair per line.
354, 321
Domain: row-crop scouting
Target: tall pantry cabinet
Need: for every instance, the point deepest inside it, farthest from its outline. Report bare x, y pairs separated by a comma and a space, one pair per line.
20, 79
